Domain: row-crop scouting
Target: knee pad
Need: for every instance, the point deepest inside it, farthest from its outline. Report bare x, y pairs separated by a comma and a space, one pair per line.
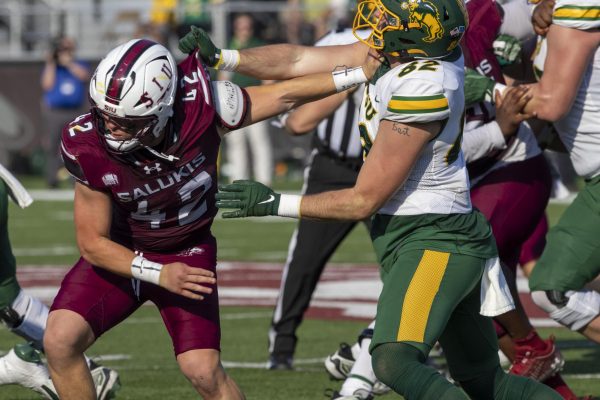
393, 362
27, 318
572, 309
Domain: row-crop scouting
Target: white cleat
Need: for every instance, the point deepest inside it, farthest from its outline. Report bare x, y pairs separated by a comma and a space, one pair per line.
106, 381
23, 366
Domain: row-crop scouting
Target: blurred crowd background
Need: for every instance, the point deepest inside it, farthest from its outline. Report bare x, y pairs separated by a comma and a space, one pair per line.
36, 34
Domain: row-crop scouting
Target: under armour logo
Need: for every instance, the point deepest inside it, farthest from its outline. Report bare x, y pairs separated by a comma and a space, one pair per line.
149, 170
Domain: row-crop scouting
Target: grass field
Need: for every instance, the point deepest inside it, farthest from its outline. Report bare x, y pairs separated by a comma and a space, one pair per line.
140, 348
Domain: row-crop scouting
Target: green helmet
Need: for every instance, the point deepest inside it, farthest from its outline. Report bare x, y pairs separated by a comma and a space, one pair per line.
412, 28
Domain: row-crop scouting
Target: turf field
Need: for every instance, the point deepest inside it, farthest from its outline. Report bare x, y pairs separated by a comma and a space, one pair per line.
140, 349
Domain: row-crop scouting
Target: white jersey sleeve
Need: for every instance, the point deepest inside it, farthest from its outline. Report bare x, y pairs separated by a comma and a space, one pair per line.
416, 93
577, 14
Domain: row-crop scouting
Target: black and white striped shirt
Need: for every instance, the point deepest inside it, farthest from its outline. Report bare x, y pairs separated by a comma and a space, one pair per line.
338, 135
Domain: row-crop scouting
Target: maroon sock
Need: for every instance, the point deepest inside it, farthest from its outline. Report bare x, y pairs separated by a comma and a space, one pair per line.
557, 383
532, 340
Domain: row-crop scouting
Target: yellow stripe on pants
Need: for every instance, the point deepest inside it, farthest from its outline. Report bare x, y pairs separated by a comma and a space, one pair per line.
421, 291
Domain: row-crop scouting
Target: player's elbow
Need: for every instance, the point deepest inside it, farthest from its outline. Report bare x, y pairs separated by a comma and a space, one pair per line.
297, 127
364, 207
552, 112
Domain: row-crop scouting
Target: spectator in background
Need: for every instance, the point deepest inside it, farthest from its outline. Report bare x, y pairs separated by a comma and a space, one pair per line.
257, 135
162, 18
64, 80
194, 12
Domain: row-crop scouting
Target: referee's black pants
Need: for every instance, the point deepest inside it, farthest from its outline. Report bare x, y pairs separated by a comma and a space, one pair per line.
311, 246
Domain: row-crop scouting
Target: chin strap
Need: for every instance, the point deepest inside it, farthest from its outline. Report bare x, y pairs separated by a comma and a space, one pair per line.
169, 158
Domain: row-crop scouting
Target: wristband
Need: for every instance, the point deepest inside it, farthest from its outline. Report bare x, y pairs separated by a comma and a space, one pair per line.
289, 206
228, 60
145, 270
498, 87
348, 78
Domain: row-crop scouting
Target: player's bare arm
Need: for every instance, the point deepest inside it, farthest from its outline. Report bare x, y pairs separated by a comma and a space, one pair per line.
306, 118
269, 100
390, 161
564, 68
279, 61
92, 211
284, 61
395, 150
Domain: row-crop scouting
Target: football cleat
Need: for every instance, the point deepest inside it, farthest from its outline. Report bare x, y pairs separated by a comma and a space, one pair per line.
23, 366
380, 388
106, 380
359, 394
536, 364
339, 364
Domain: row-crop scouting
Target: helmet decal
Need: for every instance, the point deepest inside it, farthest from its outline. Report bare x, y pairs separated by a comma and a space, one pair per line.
424, 14
122, 70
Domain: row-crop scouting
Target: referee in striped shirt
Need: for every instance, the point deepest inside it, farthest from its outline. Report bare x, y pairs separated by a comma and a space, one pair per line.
334, 163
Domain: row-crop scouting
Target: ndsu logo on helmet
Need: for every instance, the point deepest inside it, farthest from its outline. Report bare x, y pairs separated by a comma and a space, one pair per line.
424, 14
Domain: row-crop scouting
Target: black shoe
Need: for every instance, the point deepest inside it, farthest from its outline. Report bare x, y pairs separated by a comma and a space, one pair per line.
280, 362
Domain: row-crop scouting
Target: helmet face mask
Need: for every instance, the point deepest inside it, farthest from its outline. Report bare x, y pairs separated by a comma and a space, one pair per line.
412, 28
133, 90
137, 127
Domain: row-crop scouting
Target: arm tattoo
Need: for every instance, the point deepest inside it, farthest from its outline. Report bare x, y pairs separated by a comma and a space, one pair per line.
340, 68
403, 130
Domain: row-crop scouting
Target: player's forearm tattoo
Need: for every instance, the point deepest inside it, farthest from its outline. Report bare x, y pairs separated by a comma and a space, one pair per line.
403, 130
340, 68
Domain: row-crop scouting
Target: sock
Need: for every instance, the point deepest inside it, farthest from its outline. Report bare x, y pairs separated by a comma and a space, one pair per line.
557, 383
361, 375
532, 340
355, 350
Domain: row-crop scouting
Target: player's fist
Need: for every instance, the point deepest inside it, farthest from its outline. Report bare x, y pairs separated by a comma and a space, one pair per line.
507, 50
190, 282
247, 199
197, 38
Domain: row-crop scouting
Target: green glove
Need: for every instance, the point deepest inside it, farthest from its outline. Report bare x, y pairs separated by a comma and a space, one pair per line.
478, 88
507, 50
248, 199
197, 38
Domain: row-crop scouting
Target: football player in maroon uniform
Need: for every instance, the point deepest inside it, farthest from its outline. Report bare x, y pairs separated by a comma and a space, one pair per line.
144, 160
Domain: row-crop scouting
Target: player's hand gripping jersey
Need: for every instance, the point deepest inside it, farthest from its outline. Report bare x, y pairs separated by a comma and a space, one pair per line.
484, 145
578, 129
419, 92
144, 217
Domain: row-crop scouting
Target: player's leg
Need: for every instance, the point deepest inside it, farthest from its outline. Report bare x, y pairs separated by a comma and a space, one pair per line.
419, 295
67, 336
570, 260
513, 199
23, 314
194, 326
9, 287
203, 368
469, 342
90, 302
311, 246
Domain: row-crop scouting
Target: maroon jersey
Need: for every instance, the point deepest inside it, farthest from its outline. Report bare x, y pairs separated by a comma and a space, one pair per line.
158, 205
478, 47
484, 24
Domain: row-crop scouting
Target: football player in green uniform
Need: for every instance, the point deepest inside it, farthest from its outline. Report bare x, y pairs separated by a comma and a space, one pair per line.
437, 253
